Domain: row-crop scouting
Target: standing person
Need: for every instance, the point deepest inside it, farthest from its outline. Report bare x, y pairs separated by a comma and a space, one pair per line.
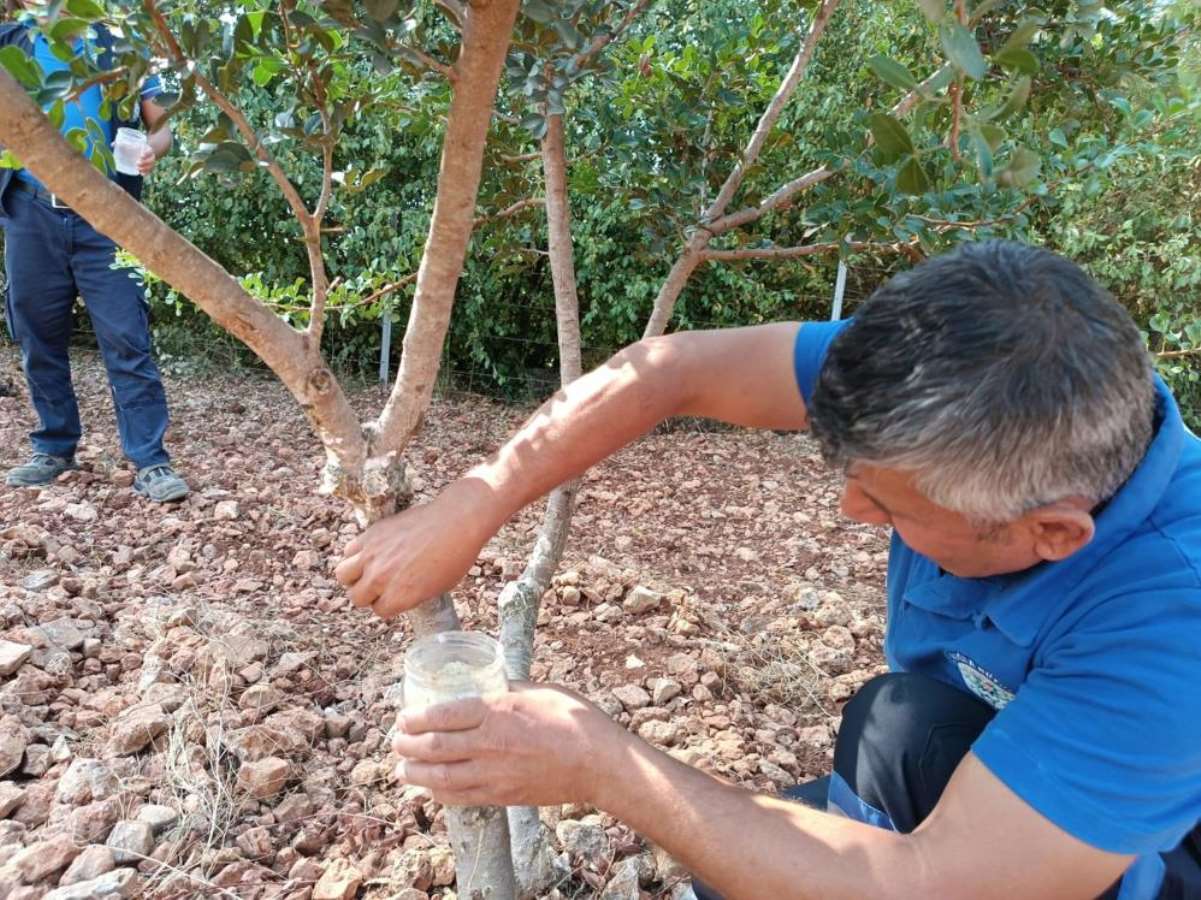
1039, 733
52, 256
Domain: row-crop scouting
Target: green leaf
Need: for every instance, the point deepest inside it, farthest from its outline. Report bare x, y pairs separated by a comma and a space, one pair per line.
1022, 35
540, 11
266, 69
892, 140
56, 113
983, 152
536, 125
912, 178
892, 72
993, 135
228, 156
78, 139
1058, 138
85, 9
65, 29
962, 50
939, 80
934, 10
568, 34
20, 66
1017, 100
381, 10
1018, 59
1022, 168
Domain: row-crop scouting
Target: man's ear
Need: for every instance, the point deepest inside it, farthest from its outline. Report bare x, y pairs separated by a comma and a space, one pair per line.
1058, 530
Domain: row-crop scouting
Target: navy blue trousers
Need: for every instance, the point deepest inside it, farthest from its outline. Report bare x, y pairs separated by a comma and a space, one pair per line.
902, 736
52, 256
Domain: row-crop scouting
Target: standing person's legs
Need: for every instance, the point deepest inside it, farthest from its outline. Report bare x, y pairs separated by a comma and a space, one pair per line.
117, 306
41, 292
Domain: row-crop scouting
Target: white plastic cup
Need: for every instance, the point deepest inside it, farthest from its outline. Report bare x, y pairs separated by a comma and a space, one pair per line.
127, 150
451, 666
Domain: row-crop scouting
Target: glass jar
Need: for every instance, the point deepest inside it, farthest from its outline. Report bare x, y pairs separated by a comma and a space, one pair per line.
453, 665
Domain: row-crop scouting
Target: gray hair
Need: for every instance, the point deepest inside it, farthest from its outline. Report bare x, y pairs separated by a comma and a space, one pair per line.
1000, 374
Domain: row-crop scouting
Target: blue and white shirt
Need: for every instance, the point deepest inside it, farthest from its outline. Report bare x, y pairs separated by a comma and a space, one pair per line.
90, 104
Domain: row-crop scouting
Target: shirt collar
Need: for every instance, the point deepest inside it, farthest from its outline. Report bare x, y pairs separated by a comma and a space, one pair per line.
1019, 604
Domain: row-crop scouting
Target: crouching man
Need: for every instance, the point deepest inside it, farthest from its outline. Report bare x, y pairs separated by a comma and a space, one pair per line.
1039, 735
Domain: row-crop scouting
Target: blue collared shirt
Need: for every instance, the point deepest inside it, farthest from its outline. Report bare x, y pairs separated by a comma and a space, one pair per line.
1093, 663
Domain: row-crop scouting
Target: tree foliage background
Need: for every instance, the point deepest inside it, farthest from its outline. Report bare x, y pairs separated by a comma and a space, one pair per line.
1085, 136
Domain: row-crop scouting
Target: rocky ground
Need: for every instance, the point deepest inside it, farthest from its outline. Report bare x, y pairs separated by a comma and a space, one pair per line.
189, 707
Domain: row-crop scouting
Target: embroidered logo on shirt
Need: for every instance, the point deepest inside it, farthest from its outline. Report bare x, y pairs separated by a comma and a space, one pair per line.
980, 681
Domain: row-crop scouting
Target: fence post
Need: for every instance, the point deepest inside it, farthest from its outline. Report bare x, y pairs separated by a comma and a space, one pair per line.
385, 350
840, 285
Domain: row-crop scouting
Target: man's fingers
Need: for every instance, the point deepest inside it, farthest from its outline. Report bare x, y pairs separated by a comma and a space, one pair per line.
350, 569
353, 547
440, 777
363, 594
458, 715
436, 746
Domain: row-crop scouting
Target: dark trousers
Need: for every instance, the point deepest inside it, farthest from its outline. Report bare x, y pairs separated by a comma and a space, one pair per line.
52, 256
901, 738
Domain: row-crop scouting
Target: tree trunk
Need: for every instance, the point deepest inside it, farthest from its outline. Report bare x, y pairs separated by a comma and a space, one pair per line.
486, 36
533, 860
363, 463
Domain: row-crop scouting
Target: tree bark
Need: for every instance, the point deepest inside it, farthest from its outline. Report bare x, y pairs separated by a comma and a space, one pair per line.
479, 836
533, 861
486, 33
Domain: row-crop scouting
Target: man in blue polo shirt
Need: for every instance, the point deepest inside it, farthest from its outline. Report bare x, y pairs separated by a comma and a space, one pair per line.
51, 257
1039, 734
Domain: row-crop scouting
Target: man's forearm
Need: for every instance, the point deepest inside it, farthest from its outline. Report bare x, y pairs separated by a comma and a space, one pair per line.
749, 846
742, 376
582, 424
161, 141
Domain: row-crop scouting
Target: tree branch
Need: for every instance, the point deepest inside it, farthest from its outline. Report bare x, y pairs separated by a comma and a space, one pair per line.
768, 120
102, 78
520, 158
786, 192
249, 135
773, 252
799, 251
447, 72
600, 42
956, 91
485, 43
457, 12
1176, 354
510, 210
312, 237
26, 131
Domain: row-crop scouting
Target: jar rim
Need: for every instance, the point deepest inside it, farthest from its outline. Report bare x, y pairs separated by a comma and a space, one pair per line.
485, 650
